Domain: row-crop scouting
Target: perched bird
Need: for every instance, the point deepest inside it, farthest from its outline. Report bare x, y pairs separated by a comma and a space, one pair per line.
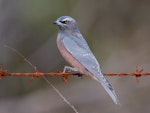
76, 51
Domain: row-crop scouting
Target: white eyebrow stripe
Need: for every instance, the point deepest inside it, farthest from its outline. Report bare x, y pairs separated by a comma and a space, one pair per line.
69, 19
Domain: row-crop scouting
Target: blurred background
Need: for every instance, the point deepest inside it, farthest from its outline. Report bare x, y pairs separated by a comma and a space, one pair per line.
118, 33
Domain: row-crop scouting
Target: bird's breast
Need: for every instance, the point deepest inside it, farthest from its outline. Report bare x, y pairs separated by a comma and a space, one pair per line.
69, 58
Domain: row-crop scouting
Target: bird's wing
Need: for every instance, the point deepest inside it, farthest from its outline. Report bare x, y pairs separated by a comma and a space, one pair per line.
80, 50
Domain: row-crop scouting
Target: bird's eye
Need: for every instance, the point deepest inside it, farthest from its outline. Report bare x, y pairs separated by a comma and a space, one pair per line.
65, 22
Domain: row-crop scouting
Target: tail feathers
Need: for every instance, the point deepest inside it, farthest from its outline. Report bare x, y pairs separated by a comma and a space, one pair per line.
107, 86
109, 89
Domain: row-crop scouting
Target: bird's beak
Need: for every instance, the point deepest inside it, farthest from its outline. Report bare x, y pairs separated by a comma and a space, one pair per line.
55, 22
58, 23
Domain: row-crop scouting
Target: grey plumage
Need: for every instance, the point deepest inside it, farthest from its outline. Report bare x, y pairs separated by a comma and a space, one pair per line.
73, 42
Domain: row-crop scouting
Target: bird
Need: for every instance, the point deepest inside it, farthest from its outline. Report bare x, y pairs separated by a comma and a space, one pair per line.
75, 50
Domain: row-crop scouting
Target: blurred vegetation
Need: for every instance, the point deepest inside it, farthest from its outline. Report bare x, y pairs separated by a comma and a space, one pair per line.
118, 33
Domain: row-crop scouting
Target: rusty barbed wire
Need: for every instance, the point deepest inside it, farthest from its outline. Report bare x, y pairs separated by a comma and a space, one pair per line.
3, 73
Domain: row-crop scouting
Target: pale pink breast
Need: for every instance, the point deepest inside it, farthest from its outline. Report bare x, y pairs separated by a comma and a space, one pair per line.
70, 59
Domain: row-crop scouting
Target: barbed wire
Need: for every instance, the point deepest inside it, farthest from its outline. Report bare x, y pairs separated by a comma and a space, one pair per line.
3, 73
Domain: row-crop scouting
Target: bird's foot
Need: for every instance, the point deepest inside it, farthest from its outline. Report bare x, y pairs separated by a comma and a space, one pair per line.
72, 70
69, 69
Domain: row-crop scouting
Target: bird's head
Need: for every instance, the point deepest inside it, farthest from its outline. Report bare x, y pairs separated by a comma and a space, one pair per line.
66, 23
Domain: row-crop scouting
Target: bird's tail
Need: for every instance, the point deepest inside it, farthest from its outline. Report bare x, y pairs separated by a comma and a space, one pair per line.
110, 91
107, 86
